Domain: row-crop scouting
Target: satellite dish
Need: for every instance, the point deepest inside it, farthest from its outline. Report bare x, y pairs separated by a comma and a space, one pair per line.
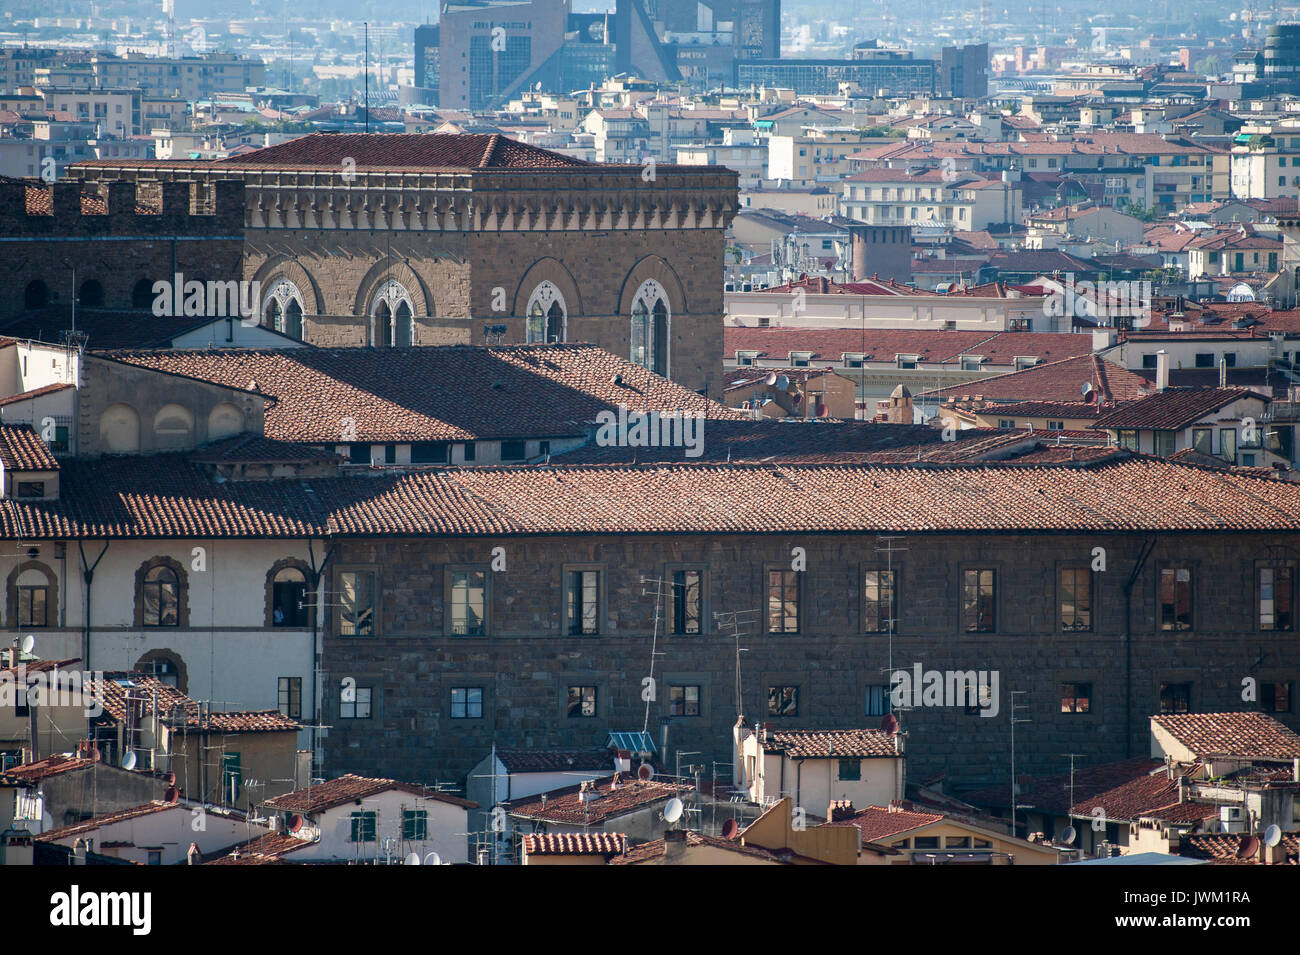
730, 828
295, 822
128, 761
889, 724
1068, 836
171, 795
645, 771
770, 379
1249, 846
782, 382
673, 811
1086, 390
413, 859
1272, 835
29, 642
437, 859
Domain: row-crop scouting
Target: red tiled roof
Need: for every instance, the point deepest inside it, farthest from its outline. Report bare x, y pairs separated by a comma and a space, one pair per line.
1237, 735
34, 393
1051, 794
830, 744
1047, 409
649, 851
249, 721
405, 151
884, 822
1054, 381
256, 449
108, 818
269, 849
21, 449
884, 344
1223, 848
575, 844
1174, 409
43, 769
345, 789
566, 807
175, 707
440, 393
1130, 799
106, 328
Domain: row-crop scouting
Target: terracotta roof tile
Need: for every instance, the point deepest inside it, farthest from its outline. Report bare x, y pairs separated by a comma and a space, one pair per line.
108, 818
269, 849
1054, 381
658, 848
21, 449
566, 807
574, 843
1173, 409
553, 760
1223, 848
885, 822
1238, 735
50, 766
345, 789
1051, 794
830, 345
446, 393
405, 151
830, 744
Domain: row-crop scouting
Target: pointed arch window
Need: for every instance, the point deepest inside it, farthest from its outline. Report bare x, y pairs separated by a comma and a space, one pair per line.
651, 327
548, 315
391, 315
282, 309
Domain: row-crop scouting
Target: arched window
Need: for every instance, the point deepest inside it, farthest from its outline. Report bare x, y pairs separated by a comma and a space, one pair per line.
390, 316
548, 316
33, 599
165, 666
282, 309
651, 325
36, 295
290, 606
91, 294
142, 294
160, 596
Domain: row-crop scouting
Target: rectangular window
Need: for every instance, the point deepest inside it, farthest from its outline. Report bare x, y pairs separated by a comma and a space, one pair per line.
1056, 426
415, 825
879, 602
512, 451
471, 451
1175, 598
1230, 359
468, 603
290, 696
1128, 440
231, 777
850, 769
1163, 443
363, 826
879, 700
1204, 360
1076, 599
782, 701
32, 602
688, 601
289, 607
1148, 361
583, 602
30, 489
978, 601
1175, 697
782, 601
1006, 423
357, 603
354, 703
683, 701
1203, 440
582, 701
926, 842
429, 452
1076, 697
1275, 697
1228, 444
1275, 592
466, 702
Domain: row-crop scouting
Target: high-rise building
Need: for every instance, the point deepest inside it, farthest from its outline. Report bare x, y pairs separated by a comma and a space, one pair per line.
489, 48
964, 71
871, 68
427, 58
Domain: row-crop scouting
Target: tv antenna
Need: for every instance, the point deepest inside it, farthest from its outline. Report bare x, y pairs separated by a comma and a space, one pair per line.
1015, 707
738, 622
658, 593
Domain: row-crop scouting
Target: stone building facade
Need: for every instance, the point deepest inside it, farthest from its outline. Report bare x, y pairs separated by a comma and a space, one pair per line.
105, 245
429, 240
416, 673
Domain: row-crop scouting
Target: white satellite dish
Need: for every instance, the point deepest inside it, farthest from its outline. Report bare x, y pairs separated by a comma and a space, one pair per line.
128, 761
770, 379
433, 859
29, 642
413, 859
782, 382
1068, 835
1272, 835
673, 811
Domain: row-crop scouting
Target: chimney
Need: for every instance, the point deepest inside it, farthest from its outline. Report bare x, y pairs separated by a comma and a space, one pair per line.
1223, 373
674, 844
1162, 370
840, 809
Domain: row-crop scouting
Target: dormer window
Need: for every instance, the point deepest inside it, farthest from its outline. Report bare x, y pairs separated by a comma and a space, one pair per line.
971, 362
800, 359
1025, 361
907, 361
854, 361
746, 357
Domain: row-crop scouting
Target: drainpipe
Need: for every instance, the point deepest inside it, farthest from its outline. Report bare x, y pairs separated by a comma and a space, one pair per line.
1144, 555
88, 577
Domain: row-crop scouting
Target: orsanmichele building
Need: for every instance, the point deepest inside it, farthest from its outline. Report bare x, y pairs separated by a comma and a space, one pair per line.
404, 239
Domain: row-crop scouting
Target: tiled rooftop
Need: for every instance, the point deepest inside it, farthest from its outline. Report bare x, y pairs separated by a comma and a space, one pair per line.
830, 744
554, 760
345, 789
405, 151
1172, 410
616, 797
1055, 381
830, 345
885, 822
1240, 735
21, 449
574, 843
447, 393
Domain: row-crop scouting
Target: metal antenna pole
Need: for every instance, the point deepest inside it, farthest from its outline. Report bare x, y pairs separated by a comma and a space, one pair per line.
1014, 720
658, 594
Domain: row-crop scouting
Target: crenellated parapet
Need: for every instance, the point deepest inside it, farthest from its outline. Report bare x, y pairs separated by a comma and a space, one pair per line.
587, 198
122, 207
